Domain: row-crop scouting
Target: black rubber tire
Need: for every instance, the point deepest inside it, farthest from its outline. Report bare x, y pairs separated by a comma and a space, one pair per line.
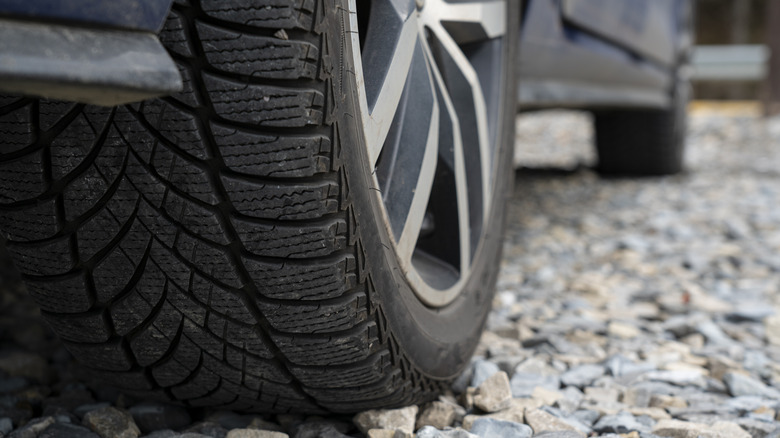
643, 142
220, 247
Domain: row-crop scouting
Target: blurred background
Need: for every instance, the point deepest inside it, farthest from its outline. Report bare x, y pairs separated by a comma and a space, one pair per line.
734, 39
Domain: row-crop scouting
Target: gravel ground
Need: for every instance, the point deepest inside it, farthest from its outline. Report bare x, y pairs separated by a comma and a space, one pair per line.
634, 308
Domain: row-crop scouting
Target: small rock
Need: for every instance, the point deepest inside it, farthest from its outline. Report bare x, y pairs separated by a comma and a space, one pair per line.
582, 375
683, 429
313, 429
623, 422
110, 422
254, 433
654, 413
547, 396
167, 433
65, 430
678, 377
559, 434
514, 413
437, 414
740, 384
772, 329
6, 425
432, 432
208, 428
523, 384
757, 428
492, 428
152, 416
494, 393
667, 401
483, 370
541, 421
622, 330
402, 419
33, 428
727, 429
388, 433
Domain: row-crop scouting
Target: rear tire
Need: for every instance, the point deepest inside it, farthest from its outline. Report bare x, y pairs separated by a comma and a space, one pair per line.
223, 246
643, 142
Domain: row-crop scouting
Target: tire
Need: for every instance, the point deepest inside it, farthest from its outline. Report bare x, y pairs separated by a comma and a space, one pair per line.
643, 142
230, 245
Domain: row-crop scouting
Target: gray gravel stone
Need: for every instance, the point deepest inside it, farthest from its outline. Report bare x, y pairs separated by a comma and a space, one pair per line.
740, 384
432, 432
33, 428
490, 428
63, 430
155, 416
401, 419
620, 423
110, 422
582, 375
6, 425
483, 369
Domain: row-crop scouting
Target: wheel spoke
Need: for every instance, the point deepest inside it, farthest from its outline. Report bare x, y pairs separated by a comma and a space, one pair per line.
468, 21
462, 81
451, 152
391, 45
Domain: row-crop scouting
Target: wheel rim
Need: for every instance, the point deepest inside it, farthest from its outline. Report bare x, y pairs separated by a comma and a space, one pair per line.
429, 75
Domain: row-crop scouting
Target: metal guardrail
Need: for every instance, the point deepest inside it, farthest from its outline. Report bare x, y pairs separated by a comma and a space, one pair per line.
730, 63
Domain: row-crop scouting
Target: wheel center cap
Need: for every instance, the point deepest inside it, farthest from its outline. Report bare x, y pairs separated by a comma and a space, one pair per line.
419, 3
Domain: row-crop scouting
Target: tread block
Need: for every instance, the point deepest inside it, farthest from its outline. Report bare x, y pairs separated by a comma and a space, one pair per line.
383, 392
132, 309
174, 35
316, 318
184, 359
108, 356
305, 281
257, 56
195, 218
89, 328
187, 305
136, 135
273, 156
51, 112
153, 341
372, 370
214, 262
16, 131
160, 227
283, 201
65, 295
275, 14
292, 241
186, 177
40, 259
32, 223
221, 301
176, 126
264, 105
151, 188
175, 270
129, 381
257, 369
71, 147
96, 233
329, 350
22, 179
84, 193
